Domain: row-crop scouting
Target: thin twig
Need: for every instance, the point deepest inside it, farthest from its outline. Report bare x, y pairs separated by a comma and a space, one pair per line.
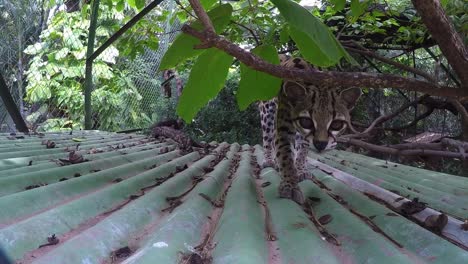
185, 9
250, 30
393, 63
385, 118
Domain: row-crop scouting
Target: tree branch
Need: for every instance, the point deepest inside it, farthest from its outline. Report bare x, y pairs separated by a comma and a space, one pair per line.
415, 121
397, 152
461, 146
329, 78
433, 146
385, 118
443, 31
393, 63
461, 110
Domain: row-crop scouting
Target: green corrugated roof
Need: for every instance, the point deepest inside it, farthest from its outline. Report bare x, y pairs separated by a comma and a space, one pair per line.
139, 200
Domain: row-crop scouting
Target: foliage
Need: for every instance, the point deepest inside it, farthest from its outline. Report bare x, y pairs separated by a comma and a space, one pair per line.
58, 62
182, 48
458, 13
304, 27
221, 120
253, 82
311, 36
209, 72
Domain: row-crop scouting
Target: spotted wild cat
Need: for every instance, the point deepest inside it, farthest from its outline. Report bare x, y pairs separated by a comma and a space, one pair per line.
302, 113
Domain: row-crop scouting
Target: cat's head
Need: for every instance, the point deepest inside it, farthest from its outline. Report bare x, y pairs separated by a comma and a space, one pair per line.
320, 114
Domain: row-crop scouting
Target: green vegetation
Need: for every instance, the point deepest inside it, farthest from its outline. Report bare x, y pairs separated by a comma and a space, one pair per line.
56, 72
42, 56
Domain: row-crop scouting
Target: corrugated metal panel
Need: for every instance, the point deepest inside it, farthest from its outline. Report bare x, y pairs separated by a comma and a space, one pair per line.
138, 200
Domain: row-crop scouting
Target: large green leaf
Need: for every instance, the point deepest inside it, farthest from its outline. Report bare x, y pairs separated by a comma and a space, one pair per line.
309, 48
313, 38
357, 8
182, 48
205, 81
255, 85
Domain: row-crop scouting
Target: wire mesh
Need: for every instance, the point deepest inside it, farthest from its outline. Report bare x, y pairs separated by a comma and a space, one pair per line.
129, 100
43, 59
20, 25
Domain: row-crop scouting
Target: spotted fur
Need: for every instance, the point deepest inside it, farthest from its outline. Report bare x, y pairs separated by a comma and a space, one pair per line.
302, 114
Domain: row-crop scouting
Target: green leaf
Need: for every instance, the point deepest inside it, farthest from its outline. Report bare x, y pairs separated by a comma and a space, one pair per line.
181, 15
310, 50
207, 3
314, 39
338, 5
72, 71
131, 3
140, 4
71, 39
205, 81
34, 49
255, 85
444, 3
153, 43
39, 93
120, 6
102, 70
357, 8
79, 54
284, 34
109, 55
62, 53
182, 48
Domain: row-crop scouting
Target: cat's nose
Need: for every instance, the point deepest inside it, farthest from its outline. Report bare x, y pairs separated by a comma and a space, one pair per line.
320, 145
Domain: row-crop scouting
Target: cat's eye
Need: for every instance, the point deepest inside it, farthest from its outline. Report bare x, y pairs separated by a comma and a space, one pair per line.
306, 123
337, 125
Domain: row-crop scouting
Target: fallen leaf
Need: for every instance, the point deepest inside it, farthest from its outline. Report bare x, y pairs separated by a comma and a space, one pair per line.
412, 207
391, 214
325, 219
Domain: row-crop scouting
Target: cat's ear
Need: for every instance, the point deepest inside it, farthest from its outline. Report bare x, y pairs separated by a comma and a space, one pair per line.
350, 97
293, 91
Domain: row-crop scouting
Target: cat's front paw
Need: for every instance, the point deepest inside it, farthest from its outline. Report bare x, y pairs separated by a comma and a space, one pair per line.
291, 191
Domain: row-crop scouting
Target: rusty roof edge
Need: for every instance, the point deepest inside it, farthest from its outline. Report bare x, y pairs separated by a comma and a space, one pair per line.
451, 231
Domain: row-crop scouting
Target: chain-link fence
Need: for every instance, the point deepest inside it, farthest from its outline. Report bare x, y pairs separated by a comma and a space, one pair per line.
20, 25
43, 52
